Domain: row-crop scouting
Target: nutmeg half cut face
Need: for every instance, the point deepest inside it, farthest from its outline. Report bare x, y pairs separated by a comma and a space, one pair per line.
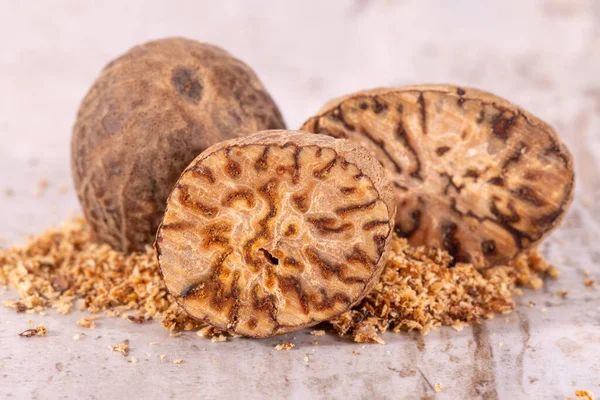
276, 231
473, 174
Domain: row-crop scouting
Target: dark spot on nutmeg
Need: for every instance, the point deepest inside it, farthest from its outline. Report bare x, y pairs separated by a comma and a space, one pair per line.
488, 247
449, 241
187, 84
415, 223
546, 221
252, 323
190, 291
529, 195
471, 173
262, 163
379, 242
440, 151
233, 169
481, 116
300, 201
291, 262
290, 230
496, 181
378, 107
460, 92
502, 124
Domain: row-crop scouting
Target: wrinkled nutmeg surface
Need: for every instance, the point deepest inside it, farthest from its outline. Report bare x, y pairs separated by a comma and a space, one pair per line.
147, 116
276, 231
473, 174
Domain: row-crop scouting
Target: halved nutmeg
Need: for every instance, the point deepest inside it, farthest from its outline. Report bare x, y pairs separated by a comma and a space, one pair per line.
276, 231
473, 174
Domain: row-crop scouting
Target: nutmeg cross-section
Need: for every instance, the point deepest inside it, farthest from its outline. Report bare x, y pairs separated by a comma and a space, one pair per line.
473, 174
277, 231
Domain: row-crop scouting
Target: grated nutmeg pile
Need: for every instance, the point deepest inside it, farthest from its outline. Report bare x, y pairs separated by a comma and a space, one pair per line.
417, 291
64, 269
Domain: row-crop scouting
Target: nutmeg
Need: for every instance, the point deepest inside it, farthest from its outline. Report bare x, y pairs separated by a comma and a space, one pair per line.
473, 174
149, 113
276, 231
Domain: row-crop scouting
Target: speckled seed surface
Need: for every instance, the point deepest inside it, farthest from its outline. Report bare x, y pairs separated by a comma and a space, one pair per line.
473, 173
149, 113
276, 231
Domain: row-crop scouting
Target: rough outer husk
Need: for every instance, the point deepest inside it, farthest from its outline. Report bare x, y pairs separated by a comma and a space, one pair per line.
147, 115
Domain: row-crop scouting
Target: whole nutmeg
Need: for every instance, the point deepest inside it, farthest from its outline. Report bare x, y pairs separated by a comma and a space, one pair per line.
147, 116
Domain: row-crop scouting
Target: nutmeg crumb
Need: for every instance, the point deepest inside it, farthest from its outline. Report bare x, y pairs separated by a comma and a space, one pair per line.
219, 338
369, 337
589, 282
178, 361
87, 322
137, 319
584, 395
62, 189
41, 187
287, 346
438, 387
39, 330
122, 348
318, 333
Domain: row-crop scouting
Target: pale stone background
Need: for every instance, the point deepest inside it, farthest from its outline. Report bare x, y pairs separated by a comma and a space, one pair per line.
541, 54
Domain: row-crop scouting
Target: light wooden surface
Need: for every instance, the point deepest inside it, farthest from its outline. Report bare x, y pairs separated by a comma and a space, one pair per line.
543, 55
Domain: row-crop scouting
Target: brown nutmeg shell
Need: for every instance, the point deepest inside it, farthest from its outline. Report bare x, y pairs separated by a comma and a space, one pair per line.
147, 116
